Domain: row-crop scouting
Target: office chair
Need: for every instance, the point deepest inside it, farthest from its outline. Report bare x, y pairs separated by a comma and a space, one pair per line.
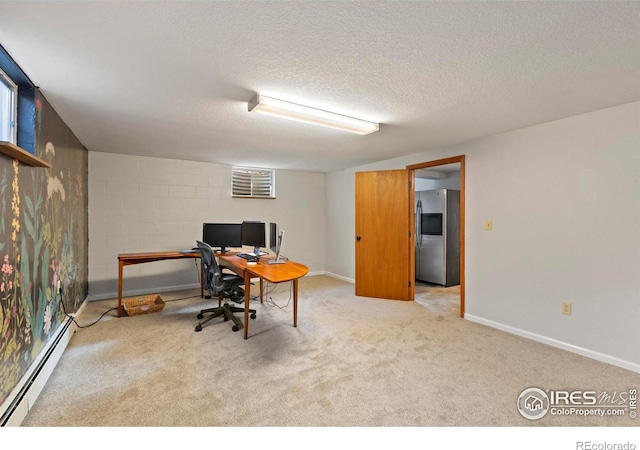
220, 285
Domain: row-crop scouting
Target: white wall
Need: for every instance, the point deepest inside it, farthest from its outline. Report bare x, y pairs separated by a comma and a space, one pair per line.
564, 198
426, 184
140, 204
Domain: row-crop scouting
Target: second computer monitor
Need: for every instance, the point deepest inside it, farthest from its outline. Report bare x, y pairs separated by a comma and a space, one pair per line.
253, 234
222, 235
275, 244
273, 237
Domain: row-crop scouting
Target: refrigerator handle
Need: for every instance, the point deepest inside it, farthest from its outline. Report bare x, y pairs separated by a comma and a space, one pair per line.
418, 231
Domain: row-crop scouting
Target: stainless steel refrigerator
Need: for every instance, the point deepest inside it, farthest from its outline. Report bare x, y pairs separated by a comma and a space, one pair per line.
438, 236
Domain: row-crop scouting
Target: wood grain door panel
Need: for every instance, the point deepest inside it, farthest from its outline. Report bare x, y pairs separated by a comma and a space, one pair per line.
384, 222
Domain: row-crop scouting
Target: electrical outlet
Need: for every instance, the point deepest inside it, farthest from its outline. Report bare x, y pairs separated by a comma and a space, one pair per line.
566, 308
488, 225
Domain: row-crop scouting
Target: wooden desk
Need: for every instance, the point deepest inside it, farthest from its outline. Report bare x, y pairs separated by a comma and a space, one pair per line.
273, 273
127, 259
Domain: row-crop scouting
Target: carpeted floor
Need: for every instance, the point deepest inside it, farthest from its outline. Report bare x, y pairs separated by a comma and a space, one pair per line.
351, 362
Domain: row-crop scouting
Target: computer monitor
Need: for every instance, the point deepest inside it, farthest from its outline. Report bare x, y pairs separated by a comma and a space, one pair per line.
273, 237
253, 234
279, 259
275, 243
222, 235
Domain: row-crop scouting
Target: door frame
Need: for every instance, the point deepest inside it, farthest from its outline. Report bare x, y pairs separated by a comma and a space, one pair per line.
440, 162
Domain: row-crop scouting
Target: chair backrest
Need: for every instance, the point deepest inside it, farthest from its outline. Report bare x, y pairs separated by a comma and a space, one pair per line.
212, 275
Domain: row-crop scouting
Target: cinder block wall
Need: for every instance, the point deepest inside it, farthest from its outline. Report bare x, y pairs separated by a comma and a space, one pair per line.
142, 204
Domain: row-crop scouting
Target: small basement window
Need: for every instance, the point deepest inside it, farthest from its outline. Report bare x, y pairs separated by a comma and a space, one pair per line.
8, 108
252, 183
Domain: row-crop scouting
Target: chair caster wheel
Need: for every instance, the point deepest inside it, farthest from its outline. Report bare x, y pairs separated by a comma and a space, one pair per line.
198, 328
253, 316
235, 328
199, 316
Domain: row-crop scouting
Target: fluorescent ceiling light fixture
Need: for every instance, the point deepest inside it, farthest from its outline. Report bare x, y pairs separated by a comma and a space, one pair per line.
286, 110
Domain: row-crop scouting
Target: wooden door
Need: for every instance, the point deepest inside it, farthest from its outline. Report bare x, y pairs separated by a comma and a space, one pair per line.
384, 235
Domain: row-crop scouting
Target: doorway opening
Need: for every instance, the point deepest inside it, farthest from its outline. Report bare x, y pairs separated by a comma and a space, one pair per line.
447, 173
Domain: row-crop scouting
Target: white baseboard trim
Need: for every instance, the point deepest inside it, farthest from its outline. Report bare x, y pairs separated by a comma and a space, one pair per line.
608, 359
340, 277
17, 405
315, 273
134, 293
159, 289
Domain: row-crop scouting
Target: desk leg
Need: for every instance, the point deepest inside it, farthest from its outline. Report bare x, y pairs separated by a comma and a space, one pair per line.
295, 303
120, 265
261, 289
247, 300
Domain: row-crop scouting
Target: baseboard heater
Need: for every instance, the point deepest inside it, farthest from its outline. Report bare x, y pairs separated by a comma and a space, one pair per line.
31, 384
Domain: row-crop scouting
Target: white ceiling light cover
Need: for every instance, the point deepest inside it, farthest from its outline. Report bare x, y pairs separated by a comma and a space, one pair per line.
306, 114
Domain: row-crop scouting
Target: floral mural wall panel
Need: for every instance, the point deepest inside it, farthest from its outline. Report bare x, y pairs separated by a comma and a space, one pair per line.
43, 244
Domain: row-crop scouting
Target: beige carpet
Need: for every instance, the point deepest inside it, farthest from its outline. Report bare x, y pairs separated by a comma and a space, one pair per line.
351, 362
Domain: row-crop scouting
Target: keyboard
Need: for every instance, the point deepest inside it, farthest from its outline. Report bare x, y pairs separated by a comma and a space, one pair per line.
248, 256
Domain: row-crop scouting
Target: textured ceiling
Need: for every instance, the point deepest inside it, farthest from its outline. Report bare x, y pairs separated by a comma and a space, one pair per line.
172, 79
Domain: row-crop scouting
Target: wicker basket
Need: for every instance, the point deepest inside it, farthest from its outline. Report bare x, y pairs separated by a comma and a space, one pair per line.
135, 306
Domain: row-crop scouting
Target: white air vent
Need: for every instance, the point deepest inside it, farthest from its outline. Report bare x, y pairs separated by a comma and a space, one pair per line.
253, 183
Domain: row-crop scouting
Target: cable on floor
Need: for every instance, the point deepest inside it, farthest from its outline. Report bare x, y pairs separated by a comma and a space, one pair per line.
182, 298
64, 309
269, 300
73, 319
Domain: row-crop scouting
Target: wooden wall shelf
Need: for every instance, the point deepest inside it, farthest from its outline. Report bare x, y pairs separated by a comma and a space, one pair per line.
16, 152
